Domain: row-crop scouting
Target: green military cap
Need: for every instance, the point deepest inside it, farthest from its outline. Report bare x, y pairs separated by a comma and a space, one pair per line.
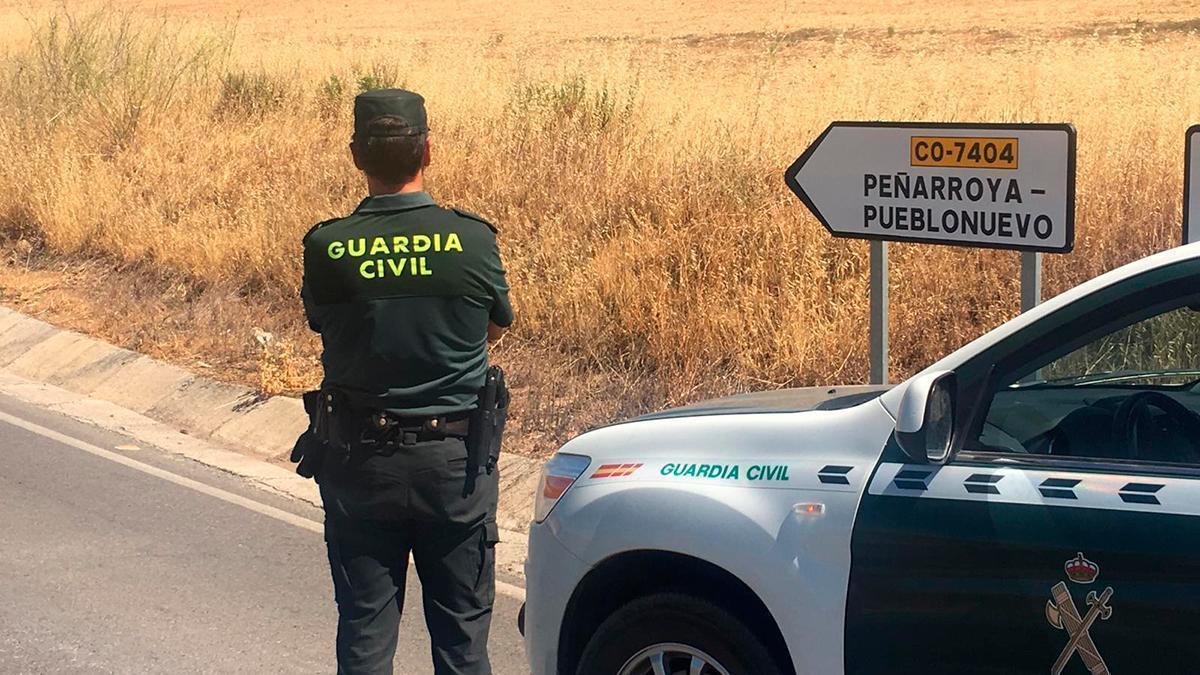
401, 104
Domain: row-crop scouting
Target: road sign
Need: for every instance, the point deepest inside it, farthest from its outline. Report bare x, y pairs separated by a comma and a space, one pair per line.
1006, 186
1191, 186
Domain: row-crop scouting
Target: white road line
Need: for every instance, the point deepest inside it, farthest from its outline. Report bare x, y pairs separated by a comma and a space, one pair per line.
511, 590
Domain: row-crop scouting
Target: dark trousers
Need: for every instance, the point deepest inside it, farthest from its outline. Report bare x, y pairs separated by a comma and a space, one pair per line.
379, 509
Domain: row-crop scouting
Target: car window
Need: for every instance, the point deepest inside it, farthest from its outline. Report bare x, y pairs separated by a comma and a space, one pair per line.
1132, 394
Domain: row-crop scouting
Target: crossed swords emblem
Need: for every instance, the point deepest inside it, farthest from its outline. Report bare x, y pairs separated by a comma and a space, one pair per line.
1062, 614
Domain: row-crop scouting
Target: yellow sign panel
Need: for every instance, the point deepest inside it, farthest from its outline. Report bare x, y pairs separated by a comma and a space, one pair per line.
963, 152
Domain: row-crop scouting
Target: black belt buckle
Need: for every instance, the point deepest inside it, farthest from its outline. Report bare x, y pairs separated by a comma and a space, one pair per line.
381, 432
430, 427
378, 431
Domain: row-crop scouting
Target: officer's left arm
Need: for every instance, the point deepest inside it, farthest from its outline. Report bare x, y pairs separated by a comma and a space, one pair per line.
310, 307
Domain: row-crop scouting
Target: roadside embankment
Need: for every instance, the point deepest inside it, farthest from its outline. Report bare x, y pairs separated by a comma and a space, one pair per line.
240, 430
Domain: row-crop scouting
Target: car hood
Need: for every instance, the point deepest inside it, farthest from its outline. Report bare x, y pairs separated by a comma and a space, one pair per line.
817, 424
777, 401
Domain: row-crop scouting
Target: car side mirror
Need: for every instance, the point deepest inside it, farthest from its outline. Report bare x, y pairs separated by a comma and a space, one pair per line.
925, 422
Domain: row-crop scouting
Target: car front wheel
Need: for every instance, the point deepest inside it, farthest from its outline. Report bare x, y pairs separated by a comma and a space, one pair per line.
674, 634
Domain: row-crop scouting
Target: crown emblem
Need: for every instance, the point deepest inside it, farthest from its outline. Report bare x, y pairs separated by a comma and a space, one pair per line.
1081, 570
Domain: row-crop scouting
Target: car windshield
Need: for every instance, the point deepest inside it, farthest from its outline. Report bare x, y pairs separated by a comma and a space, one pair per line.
1184, 377
1160, 351
1133, 393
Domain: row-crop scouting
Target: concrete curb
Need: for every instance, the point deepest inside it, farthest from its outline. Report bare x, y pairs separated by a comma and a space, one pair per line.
113, 417
200, 407
225, 426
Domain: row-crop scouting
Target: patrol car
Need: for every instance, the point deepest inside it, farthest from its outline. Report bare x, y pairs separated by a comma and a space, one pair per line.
1028, 504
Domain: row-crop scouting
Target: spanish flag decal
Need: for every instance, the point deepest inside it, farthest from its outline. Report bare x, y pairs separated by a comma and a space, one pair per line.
615, 470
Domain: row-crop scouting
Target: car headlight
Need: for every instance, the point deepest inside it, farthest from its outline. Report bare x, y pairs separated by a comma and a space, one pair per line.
557, 476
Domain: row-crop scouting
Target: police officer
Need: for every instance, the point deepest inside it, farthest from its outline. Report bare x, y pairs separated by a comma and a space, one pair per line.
406, 294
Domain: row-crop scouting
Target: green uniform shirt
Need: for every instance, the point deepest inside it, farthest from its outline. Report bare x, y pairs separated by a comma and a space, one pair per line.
401, 292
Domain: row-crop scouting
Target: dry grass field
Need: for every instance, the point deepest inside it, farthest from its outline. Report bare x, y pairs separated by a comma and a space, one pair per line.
161, 162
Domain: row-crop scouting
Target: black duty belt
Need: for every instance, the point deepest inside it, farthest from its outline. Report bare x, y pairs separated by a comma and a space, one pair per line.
385, 429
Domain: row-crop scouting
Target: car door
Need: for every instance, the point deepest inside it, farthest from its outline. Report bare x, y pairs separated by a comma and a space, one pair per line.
1063, 535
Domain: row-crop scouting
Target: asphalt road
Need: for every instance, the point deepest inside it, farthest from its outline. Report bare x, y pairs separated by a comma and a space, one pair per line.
105, 568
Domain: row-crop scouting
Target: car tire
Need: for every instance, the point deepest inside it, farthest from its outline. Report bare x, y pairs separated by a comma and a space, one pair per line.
667, 621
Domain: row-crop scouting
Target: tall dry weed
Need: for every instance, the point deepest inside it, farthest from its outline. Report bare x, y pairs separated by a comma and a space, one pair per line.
638, 186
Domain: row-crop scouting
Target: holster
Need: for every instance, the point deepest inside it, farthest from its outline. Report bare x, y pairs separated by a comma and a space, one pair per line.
327, 431
487, 427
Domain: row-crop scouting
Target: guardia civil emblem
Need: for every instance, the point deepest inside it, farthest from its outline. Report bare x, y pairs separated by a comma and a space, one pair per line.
1063, 615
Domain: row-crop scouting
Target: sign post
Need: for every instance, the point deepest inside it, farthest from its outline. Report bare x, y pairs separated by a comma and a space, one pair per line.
1191, 186
1031, 280
1007, 186
879, 313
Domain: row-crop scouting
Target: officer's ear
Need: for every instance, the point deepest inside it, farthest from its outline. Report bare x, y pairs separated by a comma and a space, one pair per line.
354, 155
425, 155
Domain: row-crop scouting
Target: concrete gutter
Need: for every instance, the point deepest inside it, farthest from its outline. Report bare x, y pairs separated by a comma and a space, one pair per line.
203, 408
221, 425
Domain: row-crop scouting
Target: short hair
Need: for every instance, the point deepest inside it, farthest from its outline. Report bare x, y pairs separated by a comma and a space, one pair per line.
390, 150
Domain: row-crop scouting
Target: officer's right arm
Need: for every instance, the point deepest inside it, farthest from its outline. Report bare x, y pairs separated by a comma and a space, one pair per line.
495, 332
501, 315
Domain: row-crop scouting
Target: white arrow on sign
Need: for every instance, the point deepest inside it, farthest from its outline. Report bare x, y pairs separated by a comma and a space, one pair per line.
1006, 186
